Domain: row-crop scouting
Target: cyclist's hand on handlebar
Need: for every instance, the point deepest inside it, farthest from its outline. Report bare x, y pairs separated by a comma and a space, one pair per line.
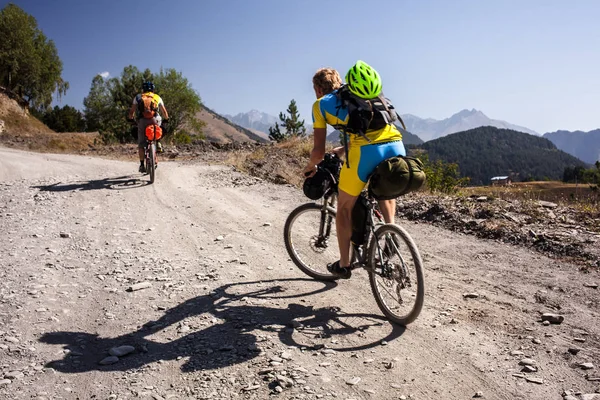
310, 170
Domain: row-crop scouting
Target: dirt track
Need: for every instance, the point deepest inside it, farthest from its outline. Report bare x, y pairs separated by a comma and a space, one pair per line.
227, 315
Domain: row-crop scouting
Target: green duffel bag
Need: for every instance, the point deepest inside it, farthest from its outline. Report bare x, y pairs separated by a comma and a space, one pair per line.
395, 177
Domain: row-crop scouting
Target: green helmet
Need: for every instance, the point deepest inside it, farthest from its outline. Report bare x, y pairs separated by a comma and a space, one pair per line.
363, 80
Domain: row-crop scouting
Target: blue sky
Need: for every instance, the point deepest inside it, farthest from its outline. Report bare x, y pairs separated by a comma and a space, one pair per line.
533, 63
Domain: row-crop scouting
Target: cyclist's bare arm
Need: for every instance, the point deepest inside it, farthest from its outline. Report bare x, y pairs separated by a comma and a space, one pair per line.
318, 151
131, 111
163, 111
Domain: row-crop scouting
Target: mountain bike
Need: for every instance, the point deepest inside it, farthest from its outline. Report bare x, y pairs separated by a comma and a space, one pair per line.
153, 133
388, 254
150, 150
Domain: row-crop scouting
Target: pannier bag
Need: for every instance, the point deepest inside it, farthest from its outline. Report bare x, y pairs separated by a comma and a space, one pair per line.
395, 177
153, 132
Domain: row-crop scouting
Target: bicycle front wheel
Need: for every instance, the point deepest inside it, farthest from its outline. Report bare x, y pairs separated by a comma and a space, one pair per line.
311, 240
396, 274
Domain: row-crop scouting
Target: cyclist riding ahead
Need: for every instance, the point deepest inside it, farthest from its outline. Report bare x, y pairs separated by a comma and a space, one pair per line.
150, 107
365, 150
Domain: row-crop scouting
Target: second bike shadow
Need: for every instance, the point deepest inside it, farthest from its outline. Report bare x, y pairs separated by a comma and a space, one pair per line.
233, 335
116, 183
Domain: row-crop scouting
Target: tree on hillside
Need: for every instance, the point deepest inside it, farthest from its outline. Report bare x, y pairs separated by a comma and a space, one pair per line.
275, 133
292, 124
109, 100
29, 64
182, 102
65, 119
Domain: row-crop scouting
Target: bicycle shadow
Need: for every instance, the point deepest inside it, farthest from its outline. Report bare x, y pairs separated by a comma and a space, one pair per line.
117, 183
223, 331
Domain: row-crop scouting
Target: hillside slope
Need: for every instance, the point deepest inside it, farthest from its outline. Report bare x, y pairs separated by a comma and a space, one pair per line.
16, 120
219, 129
19, 129
482, 153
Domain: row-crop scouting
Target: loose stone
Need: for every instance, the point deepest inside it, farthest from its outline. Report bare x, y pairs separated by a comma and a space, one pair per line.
109, 360
121, 351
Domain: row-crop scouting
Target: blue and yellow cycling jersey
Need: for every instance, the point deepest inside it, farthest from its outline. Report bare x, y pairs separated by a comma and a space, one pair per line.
328, 110
363, 156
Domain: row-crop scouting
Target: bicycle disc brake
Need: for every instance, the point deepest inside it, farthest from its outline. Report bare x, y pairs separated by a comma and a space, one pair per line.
319, 244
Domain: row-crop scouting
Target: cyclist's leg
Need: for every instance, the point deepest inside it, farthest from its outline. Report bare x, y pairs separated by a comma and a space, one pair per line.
388, 210
159, 148
343, 225
142, 124
349, 187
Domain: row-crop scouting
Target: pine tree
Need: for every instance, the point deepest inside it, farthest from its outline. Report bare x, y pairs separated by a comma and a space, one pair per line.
275, 133
293, 125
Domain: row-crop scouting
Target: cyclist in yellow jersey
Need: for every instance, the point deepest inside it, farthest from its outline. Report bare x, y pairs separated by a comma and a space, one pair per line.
364, 153
159, 115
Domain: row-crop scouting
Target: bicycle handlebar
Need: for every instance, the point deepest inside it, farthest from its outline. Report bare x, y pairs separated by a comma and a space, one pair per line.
332, 156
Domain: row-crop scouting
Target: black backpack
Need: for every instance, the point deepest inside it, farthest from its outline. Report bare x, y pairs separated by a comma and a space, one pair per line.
364, 114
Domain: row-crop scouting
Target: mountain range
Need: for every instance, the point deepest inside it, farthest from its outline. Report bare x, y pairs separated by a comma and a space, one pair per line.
429, 128
583, 145
253, 119
425, 128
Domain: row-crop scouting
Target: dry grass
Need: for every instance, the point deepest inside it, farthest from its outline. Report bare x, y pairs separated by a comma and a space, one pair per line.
26, 132
50, 141
19, 122
579, 195
280, 162
297, 147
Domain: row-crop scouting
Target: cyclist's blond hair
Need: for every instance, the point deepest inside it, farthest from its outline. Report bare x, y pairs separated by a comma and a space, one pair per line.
327, 79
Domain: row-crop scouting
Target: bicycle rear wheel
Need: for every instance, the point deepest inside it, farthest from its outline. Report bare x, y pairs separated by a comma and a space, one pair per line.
151, 164
396, 274
311, 240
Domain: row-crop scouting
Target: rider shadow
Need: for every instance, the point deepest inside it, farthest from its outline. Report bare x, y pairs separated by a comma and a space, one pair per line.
118, 183
222, 330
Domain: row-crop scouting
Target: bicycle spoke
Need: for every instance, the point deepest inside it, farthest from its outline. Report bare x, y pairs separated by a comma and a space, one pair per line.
307, 242
391, 280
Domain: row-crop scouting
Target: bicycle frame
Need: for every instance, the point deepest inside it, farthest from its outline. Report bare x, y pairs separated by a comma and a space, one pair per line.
150, 155
150, 149
359, 253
